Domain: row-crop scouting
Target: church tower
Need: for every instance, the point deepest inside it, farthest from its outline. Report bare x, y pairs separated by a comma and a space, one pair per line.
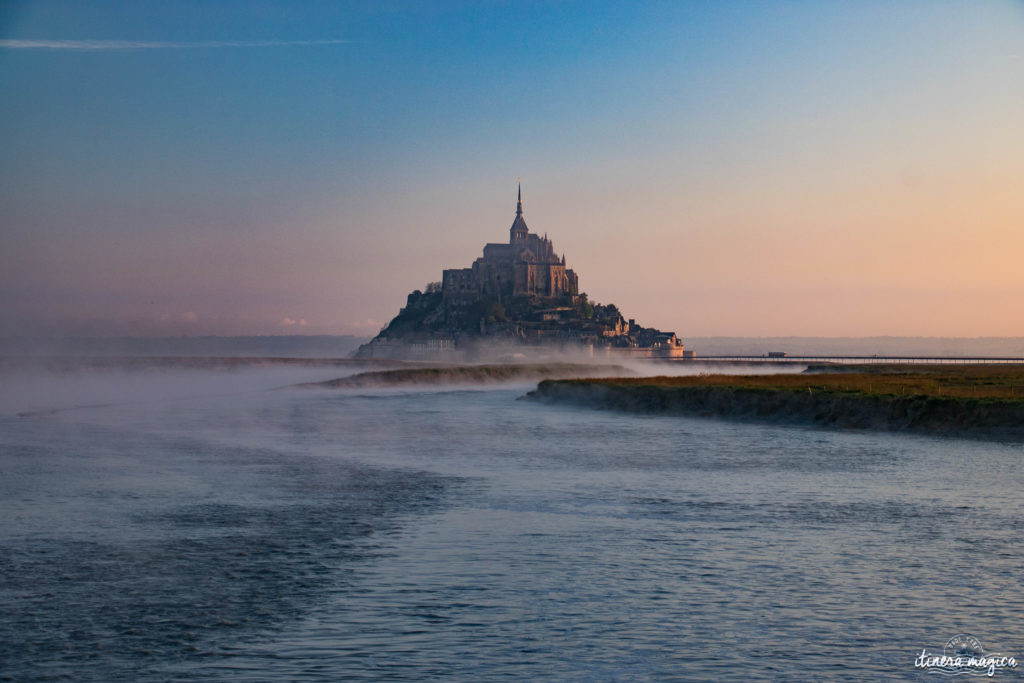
518, 231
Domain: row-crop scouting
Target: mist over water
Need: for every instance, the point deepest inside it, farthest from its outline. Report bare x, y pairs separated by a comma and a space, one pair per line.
30, 387
194, 524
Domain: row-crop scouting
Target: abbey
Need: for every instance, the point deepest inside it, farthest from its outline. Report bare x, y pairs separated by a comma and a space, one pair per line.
527, 265
516, 295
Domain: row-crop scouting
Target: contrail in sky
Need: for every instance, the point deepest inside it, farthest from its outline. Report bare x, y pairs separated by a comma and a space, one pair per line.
152, 44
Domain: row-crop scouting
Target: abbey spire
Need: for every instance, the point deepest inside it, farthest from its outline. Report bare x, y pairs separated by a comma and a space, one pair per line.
518, 231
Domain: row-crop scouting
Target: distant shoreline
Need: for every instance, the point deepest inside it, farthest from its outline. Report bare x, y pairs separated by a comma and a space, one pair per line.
466, 374
338, 346
253, 346
65, 364
890, 401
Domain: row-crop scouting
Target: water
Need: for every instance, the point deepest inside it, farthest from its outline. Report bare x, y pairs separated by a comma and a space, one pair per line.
221, 531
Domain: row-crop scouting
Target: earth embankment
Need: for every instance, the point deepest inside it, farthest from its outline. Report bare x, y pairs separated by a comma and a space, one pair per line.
986, 418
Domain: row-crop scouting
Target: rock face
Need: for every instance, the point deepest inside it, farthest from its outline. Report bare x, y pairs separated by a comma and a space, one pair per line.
981, 418
517, 294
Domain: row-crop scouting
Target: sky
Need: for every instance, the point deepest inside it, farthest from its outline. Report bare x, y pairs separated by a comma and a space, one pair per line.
727, 168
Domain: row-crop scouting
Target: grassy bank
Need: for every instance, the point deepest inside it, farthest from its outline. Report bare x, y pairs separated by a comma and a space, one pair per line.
974, 401
965, 381
468, 374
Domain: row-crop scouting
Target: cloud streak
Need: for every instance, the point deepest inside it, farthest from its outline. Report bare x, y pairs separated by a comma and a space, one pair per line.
14, 44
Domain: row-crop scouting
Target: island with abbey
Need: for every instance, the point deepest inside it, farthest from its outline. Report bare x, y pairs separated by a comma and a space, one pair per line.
517, 297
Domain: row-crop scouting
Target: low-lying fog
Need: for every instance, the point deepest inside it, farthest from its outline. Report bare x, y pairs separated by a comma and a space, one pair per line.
33, 387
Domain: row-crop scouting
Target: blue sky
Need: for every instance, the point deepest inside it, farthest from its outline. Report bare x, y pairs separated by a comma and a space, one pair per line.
714, 168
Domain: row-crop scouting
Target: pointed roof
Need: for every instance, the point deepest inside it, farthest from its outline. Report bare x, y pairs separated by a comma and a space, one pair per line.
519, 224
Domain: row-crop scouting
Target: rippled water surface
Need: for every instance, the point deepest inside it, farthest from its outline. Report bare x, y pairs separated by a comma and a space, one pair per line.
222, 531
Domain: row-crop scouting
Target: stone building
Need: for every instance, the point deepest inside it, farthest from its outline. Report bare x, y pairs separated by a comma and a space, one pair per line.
527, 265
518, 293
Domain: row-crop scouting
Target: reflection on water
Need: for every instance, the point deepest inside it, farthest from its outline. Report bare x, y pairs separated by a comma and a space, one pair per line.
409, 535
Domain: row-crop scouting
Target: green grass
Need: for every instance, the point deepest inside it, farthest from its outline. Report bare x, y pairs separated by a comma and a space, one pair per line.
1001, 382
